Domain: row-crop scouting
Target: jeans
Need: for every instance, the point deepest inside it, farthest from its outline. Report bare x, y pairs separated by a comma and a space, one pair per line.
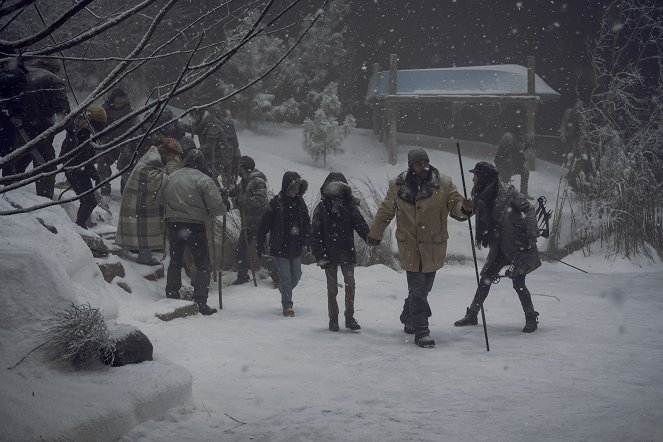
191, 235
416, 310
289, 271
331, 272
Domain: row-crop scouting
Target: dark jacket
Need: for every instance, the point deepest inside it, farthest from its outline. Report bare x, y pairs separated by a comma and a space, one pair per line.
515, 221
72, 141
213, 141
45, 96
252, 198
335, 219
508, 157
13, 82
286, 220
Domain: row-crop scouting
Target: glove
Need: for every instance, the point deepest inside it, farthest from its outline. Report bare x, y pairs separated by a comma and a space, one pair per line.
372, 241
323, 263
467, 207
526, 244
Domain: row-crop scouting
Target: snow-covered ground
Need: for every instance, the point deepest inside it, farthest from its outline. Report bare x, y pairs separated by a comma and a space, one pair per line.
590, 373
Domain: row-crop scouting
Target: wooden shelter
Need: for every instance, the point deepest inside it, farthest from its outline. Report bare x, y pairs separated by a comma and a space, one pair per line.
388, 90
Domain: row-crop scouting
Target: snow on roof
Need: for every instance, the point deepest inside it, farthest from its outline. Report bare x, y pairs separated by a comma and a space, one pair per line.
505, 79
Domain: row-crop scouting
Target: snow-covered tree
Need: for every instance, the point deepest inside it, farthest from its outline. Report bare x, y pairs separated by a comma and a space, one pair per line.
622, 130
323, 133
177, 47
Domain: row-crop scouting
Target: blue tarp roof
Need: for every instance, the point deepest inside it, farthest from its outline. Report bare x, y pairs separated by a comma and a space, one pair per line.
506, 79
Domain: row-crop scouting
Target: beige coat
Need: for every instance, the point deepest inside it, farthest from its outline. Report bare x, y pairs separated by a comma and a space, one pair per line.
421, 219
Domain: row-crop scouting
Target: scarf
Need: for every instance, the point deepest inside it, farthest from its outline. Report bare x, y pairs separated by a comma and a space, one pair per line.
484, 201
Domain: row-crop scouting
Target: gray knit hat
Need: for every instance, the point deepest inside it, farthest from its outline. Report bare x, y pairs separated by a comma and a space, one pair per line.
415, 155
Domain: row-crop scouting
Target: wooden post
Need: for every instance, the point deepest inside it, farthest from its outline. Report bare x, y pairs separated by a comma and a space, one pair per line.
392, 109
377, 109
530, 147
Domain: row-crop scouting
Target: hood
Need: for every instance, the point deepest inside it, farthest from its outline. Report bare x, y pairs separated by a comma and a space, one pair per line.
335, 185
290, 180
255, 173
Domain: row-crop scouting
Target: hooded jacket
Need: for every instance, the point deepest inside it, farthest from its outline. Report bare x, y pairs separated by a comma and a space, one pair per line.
421, 212
252, 198
335, 219
286, 220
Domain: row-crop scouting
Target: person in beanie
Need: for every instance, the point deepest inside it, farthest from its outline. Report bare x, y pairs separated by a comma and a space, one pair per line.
335, 219
506, 224
82, 177
288, 223
189, 197
140, 225
421, 199
252, 201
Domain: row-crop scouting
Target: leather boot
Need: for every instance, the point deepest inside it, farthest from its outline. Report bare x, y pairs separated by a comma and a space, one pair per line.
333, 324
470, 318
531, 321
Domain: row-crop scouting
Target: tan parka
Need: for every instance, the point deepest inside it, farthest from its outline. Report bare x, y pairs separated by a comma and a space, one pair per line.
421, 226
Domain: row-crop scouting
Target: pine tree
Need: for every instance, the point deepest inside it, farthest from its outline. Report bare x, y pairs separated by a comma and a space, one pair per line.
323, 133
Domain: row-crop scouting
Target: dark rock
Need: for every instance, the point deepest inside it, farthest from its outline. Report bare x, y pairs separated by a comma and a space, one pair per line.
179, 312
131, 347
96, 246
157, 273
111, 269
124, 286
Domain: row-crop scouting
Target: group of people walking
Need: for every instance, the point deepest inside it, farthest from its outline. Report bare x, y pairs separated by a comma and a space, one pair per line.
170, 188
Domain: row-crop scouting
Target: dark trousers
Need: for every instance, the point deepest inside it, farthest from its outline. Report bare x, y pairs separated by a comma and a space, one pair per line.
331, 272
243, 254
81, 182
488, 273
416, 310
191, 235
104, 167
45, 186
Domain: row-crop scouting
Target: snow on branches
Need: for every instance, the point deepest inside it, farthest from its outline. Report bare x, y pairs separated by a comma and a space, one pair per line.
323, 133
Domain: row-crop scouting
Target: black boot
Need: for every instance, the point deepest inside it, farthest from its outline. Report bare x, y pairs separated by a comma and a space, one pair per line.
333, 324
352, 324
205, 309
424, 340
241, 279
470, 318
531, 321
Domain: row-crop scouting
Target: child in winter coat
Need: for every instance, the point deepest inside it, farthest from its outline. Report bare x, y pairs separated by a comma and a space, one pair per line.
288, 223
335, 219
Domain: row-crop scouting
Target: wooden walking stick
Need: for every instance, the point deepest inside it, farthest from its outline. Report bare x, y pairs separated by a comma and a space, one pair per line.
474, 252
223, 248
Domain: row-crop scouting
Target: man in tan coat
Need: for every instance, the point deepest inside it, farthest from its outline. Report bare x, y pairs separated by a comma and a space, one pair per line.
421, 199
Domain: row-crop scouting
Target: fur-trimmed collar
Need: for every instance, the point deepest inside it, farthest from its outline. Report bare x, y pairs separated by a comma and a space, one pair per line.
409, 190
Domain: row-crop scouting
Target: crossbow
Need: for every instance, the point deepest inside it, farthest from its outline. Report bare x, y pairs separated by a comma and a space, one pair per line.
543, 217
